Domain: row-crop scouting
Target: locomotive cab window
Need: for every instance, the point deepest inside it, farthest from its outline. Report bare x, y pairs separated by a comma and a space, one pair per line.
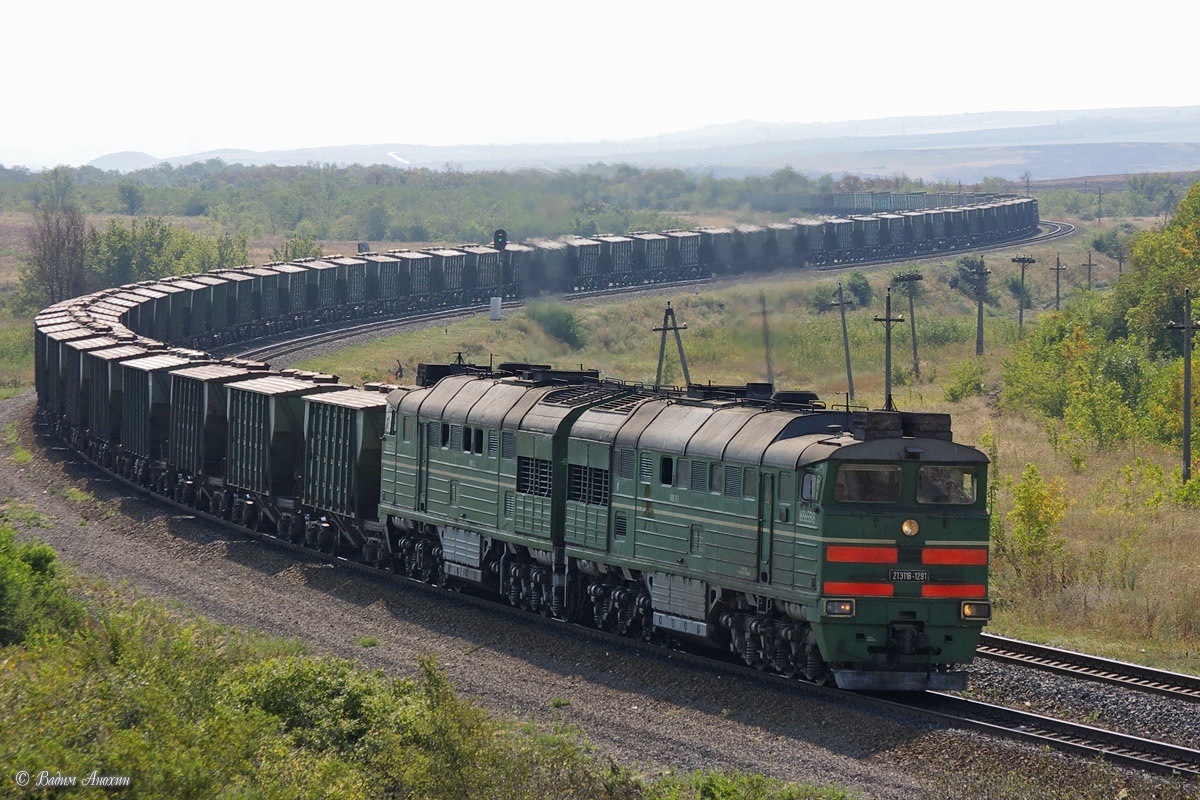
868, 483
810, 487
946, 485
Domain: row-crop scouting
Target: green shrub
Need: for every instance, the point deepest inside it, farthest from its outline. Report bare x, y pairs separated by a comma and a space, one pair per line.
966, 379
33, 596
558, 321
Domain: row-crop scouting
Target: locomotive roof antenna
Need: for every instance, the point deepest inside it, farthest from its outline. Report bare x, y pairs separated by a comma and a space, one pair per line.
669, 324
888, 321
762, 301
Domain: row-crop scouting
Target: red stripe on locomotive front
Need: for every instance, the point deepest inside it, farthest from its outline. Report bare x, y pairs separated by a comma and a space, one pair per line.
975, 556
868, 589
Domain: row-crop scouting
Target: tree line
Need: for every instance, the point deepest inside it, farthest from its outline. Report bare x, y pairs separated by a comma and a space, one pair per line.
381, 203
67, 258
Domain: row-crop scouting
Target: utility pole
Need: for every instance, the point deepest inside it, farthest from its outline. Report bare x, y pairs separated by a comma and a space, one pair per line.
1120, 259
669, 324
978, 278
1058, 271
762, 301
842, 303
1024, 261
909, 279
1099, 202
1188, 326
888, 321
1089, 266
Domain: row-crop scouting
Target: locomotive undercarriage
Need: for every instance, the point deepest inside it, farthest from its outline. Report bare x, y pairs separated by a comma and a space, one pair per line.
769, 635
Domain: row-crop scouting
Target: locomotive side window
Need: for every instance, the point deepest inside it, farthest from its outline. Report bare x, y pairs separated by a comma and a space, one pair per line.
750, 483
946, 485
666, 471
810, 487
868, 483
681, 474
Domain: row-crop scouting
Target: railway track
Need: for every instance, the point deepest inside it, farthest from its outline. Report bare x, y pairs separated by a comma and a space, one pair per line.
1096, 668
1119, 748
942, 709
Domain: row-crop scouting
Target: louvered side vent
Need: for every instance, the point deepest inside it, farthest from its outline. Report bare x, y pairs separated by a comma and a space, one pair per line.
627, 464
733, 481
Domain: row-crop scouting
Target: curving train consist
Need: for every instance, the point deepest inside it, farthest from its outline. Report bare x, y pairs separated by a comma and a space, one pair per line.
830, 543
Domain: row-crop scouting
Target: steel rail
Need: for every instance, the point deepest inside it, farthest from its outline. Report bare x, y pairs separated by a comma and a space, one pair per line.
1083, 665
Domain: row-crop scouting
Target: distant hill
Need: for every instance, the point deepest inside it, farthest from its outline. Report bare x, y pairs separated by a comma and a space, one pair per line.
963, 147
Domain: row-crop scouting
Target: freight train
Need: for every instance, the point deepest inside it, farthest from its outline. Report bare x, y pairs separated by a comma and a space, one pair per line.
835, 544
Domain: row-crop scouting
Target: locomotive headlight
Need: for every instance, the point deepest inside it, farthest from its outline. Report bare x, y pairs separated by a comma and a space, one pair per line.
839, 608
974, 609
909, 527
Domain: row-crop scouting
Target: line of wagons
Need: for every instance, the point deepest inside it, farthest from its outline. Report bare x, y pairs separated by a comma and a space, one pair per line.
222, 307
407, 478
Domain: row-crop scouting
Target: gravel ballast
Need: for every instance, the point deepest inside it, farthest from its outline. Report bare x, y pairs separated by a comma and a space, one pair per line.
646, 713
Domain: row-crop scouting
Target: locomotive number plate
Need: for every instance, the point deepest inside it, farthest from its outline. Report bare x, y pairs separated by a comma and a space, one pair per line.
909, 575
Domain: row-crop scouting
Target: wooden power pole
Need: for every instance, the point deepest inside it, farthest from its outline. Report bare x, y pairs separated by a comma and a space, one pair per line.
1188, 326
909, 279
888, 321
1024, 261
841, 304
669, 324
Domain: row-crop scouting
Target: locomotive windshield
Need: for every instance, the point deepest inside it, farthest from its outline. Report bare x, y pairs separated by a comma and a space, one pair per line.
868, 483
946, 485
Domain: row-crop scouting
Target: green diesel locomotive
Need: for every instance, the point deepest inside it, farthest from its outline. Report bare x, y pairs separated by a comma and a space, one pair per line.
834, 544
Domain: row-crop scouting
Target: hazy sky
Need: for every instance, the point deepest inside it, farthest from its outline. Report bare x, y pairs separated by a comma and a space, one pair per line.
84, 79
